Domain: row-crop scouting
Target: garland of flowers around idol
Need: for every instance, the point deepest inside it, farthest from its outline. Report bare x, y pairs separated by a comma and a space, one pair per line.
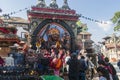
93, 20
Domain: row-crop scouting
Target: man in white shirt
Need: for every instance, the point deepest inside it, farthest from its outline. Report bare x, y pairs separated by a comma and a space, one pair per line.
9, 61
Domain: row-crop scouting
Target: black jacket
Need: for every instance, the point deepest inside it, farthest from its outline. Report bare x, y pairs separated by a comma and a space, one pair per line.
73, 66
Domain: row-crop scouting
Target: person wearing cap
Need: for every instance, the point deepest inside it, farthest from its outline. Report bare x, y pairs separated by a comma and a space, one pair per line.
19, 57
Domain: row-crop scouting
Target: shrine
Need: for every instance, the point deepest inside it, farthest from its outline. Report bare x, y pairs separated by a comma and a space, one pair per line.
50, 26
52, 21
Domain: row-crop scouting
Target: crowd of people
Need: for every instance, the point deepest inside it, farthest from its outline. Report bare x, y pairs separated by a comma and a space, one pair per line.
105, 69
57, 62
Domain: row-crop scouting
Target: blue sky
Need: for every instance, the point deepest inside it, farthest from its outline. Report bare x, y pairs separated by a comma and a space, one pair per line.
102, 10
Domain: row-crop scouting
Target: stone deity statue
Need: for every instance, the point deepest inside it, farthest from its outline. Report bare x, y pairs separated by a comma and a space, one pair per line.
41, 3
65, 5
53, 4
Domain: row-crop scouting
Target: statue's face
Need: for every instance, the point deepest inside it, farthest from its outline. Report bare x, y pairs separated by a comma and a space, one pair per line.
55, 37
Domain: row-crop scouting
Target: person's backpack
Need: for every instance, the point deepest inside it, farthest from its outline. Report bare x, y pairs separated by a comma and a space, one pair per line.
109, 69
112, 68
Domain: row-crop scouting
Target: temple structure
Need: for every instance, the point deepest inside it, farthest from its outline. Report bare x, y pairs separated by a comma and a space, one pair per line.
111, 47
8, 33
8, 37
52, 18
50, 26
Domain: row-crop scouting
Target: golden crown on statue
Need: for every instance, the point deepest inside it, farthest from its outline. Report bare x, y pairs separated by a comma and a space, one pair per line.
53, 31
